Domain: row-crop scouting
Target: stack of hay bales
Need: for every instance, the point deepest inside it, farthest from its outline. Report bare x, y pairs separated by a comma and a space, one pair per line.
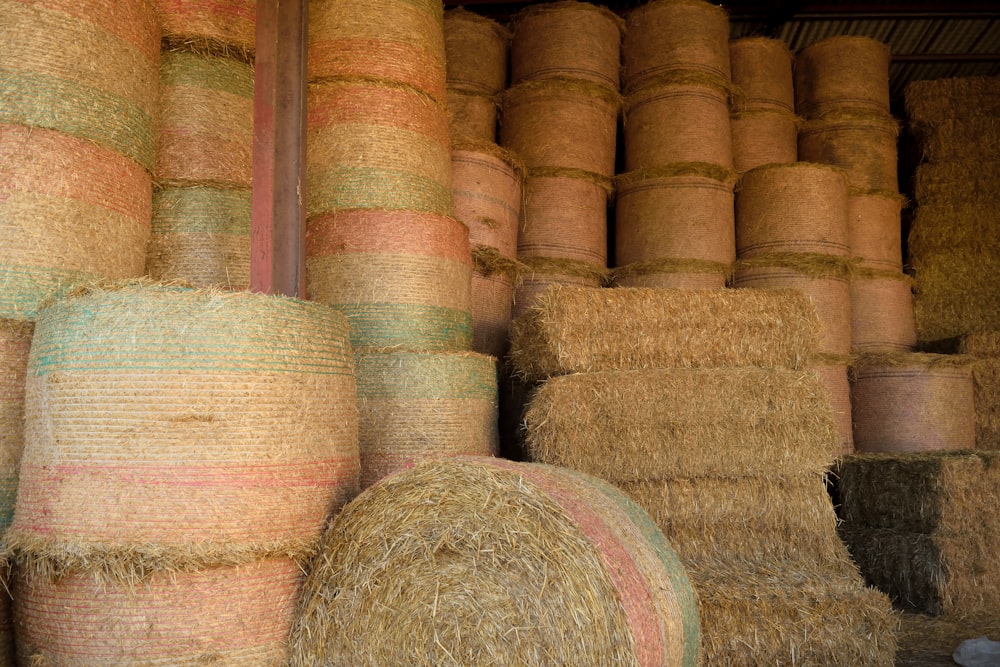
182, 452
763, 121
697, 404
488, 562
954, 245
984, 351
476, 50
674, 210
201, 203
382, 245
560, 116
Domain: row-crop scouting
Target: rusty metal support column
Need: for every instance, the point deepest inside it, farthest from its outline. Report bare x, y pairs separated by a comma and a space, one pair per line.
277, 245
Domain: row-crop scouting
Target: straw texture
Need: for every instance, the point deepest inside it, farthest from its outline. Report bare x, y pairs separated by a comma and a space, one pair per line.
476, 50
492, 303
672, 274
472, 117
864, 146
648, 328
15, 341
537, 281
218, 23
874, 230
100, 85
843, 72
487, 190
930, 641
233, 414
930, 103
564, 217
479, 546
763, 137
762, 69
834, 377
984, 348
882, 312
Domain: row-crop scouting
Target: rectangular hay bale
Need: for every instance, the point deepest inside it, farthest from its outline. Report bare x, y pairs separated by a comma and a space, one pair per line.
984, 347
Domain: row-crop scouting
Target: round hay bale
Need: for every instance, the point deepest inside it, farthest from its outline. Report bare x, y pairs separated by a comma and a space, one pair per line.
763, 137
401, 277
667, 36
201, 236
762, 70
224, 616
543, 274
414, 406
100, 84
220, 26
842, 72
825, 279
882, 312
674, 217
486, 187
376, 146
476, 52
798, 207
15, 342
567, 39
834, 378
397, 41
874, 229
481, 546
564, 217
492, 302
561, 123
673, 274
672, 123
206, 119
472, 117
863, 146
910, 401
72, 212
231, 413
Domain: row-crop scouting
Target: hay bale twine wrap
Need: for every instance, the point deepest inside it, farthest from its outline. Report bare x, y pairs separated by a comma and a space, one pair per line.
874, 229
492, 304
226, 26
677, 122
571, 39
833, 374
472, 117
862, 145
673, 274
206, 119
414, 406
398, 41
483, 546
538, 274
401, 277
763, 137
762, 70
375, 145
227, 616
231, 413
564, 123
71, 211
487, 192
669, 214
797, 207
476, 52
201, 236
667, 36
15, 342
842, 72
910, 401
882, 317
99, 85
824, 279
564, 216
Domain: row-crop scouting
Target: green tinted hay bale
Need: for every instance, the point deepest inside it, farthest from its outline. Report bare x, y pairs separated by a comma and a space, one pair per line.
843, 72
226, 616
476, 50
15, 342
226, 26
936, 101
661, 424
480, 562
231, 413
984, 348
650, 328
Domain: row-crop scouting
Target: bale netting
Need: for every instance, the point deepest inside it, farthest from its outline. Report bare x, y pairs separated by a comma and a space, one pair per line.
842, 72
492, 303
570, 39
667, 36
656, 424
763, 137
100, 85
910, 402
472, 117
673, 274
882, 312
476, 52
682, 121
674, 216
398, 41
15, 341
583, 330
495, 562
762, 70
984, 348
874, 229
376, 145
73, 212
487, 189
219, 26
201, 236
862, 145
929, 103
227, 616
150, 401
414, 406
798, 207
833, 374
401, 277
206, 119
824, 279
564, 216
541, 273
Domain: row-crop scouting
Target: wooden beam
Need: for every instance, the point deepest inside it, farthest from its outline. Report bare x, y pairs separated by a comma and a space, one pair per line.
277, 241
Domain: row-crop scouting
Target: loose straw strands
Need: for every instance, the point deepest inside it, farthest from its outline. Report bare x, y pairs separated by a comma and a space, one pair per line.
221, 26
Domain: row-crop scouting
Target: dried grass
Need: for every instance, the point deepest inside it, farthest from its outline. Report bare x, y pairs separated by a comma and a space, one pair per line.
936, 101
984, 348
929, 641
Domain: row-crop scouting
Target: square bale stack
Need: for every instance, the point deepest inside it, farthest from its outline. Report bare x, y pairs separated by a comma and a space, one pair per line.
984, 348
699, 405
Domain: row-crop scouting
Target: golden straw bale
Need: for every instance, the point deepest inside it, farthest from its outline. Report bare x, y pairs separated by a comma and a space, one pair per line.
956, 182
942, 311
935, 101
984, 348
961, 139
